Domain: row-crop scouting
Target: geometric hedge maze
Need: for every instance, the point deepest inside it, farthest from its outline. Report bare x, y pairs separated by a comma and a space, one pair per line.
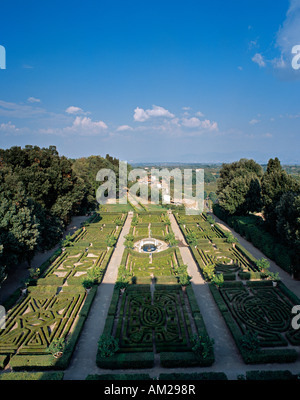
148, 322
263, 310
38, 320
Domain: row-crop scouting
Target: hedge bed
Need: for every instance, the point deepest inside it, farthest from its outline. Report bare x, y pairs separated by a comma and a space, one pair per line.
270, 376
31, 376
183, 360
44, 315
263, 310
119, 377
196, 376
126, 361
163, 266
172, 318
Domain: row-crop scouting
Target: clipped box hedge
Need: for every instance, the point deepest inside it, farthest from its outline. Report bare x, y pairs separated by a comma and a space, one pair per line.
194, 376
119, 377
32, 376
270, 376
183, 360
138, 360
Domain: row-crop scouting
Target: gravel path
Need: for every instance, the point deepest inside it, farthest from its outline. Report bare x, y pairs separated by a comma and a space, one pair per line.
84, 358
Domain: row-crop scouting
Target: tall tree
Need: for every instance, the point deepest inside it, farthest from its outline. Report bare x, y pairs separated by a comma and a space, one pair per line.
275, 183
239, 188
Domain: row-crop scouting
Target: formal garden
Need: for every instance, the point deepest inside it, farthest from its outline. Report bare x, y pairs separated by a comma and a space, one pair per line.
153, 319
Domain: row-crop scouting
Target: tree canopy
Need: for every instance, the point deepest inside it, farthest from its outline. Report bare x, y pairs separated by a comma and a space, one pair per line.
40, 191
239, 188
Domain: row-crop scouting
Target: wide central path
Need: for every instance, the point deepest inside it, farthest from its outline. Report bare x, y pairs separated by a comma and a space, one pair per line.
84, 358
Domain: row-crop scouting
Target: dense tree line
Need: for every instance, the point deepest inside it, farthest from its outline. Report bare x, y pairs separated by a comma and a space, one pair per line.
39, 193
244, 188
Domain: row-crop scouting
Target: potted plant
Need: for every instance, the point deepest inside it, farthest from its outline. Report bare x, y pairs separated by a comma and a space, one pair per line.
57, 347
184, 280
24, 285
218, 280
34, 273
87, 284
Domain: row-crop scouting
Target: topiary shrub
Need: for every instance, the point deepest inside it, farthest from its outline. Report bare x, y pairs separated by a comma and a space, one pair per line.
202, 346
107, 346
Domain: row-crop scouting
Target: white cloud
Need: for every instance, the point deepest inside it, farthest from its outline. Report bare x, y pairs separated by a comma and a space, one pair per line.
82, 126
197, 123
141, 115
9, 128
191, 122
75, 111
199, 114
85, 125
124, 128
33, 100
258, 59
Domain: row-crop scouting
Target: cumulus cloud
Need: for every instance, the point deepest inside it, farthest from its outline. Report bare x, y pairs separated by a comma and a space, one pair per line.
82, 126
141, 115
197, 123
85, 125
124, 128
76, 111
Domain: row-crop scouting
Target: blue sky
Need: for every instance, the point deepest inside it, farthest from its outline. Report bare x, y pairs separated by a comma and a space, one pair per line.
188, 81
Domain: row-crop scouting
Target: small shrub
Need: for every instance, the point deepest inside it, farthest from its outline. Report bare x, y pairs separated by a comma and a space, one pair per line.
184, 279
250, 342
263, 265
202, 346
209, 271
218, 280
107, 346
87, 283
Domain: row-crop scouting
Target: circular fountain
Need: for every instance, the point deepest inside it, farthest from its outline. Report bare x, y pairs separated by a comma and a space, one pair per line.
150, 246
